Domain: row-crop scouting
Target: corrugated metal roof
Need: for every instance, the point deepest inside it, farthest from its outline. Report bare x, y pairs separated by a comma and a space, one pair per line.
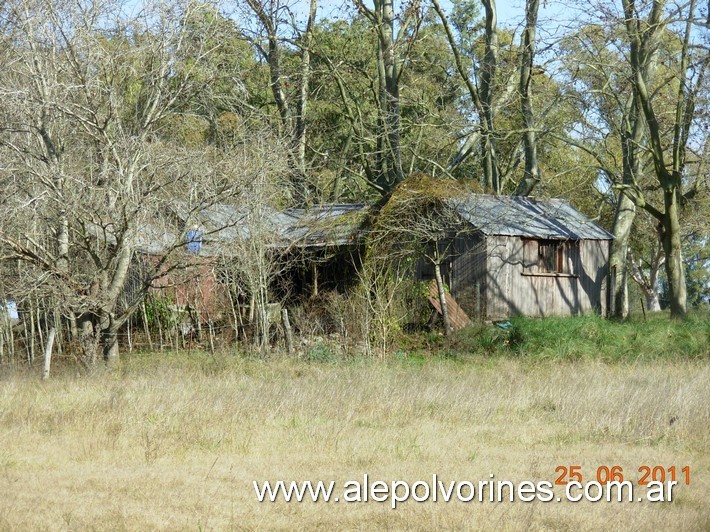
339, 224
323, 225
318, 226
527, 217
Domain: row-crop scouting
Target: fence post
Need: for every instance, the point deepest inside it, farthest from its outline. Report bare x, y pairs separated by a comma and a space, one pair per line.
48, 353
287, 330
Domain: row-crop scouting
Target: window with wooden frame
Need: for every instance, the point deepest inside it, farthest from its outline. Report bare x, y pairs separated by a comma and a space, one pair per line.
549, 257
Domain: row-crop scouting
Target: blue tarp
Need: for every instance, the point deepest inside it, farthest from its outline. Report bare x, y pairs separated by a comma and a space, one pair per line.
194, 241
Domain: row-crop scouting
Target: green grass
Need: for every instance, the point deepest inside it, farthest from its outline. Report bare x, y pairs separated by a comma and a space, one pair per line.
589, 337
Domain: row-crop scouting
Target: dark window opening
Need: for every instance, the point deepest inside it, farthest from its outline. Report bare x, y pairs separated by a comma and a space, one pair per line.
551, 256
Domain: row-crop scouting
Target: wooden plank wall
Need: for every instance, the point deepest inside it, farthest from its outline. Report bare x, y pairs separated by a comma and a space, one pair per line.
485, 275
509, 292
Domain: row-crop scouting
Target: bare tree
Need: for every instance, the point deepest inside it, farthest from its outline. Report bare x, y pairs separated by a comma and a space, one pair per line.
269, 39
614, 129
255, 250
416, 224
86, 101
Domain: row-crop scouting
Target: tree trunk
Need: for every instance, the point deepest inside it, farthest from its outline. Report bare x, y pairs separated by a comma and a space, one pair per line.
674, 262
261, 314
642, 44
531, 176
32, 332
652, 302
274, 61
649, 283
482, 99
618, 260
442, 299
390, 168
109, 340
631, 136
300, 129
288, 336
488, 73
88, 341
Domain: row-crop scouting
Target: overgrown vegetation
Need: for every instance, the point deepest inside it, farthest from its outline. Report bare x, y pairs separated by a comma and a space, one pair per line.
534, 339
591, 337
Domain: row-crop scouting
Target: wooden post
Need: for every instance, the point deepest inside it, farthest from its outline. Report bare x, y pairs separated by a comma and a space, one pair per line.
130, 340
314, 288
477, 294
287, 331
210, 325
442, 298
31, 334
161, 338
48, 353
145, 325
158, 316
39, 325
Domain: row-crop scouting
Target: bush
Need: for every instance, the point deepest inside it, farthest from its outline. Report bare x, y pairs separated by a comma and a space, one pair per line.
322, 352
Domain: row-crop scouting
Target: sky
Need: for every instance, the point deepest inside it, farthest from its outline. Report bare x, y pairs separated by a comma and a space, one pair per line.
511, 13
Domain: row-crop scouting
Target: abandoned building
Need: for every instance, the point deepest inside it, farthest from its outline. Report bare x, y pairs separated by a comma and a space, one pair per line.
524, 256
317, 249
508, 256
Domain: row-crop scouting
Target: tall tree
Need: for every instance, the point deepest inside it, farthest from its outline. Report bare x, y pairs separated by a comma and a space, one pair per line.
612, 130
532, 168
347, 137
272, 43
643, 34
488, 75
393, 45
481, 90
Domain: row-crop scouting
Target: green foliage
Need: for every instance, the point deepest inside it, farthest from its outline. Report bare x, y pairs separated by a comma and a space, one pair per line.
590, 337
697, 275
322, 352
415, 304
160, 311
466, 19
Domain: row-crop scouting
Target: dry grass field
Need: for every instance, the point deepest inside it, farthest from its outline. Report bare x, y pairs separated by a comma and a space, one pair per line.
174, 443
